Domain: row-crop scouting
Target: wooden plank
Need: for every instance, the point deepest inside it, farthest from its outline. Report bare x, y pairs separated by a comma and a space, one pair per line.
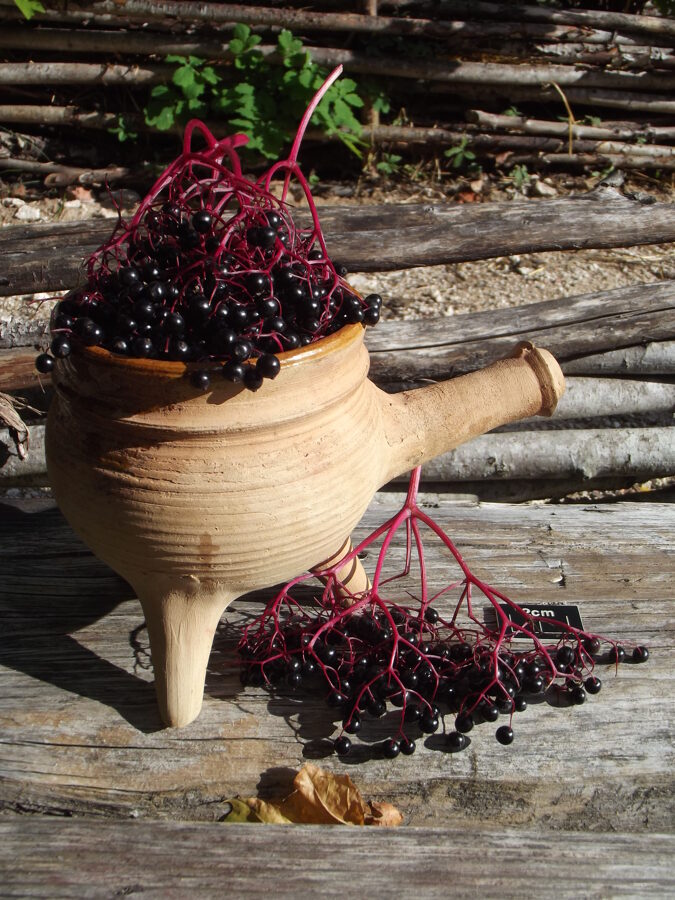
79, 732
380, 237
63, 859
406, 352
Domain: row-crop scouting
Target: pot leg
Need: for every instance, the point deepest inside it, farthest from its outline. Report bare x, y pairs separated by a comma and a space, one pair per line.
352, 574
181, 627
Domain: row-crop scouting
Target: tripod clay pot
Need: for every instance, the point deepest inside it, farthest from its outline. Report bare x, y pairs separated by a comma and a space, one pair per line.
197, 498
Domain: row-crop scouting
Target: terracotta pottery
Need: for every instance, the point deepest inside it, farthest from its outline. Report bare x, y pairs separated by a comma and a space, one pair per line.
197, 498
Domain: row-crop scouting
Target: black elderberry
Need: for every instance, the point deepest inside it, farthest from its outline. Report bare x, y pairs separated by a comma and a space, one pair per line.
456, 742
61, 320
410, 678
60, 346
269, 306
376, 707
44, 363
342, 745
179, 350
464, 723
142, 347
592, 645
238, 317
504, 704
174, 323
92, 337
241, 350
130, 276
593, 685
371, 317
431, 615
268, 365
412, 712
461, 652
373, 300
577, 694
353, 724
274, 324
341, 269
294, 679
326, 653
200, 379
120, 346
308, 668
261, 237
504, 735
565, 656
202, 221
617, 654
407, 746
520, 704
429, 722
534, 685
157, 291
274, 220
144, 310
150, 271
391, 748
640, 654
490, 712
336, 699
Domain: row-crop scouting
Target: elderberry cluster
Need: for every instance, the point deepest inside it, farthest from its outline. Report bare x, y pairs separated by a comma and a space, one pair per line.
229, 290
388, 659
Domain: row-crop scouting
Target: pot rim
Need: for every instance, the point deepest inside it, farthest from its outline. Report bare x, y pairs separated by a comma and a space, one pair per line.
329, 344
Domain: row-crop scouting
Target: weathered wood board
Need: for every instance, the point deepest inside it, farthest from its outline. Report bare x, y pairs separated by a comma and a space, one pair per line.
80, 734
88, 859
378, 238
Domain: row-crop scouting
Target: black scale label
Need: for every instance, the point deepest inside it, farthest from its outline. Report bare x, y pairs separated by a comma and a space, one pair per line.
545, 619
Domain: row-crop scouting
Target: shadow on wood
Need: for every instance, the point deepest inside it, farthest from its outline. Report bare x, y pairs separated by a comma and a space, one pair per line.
44, 599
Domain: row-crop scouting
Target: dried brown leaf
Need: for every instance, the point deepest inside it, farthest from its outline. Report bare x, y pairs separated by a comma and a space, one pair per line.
384, 814
322, 798
12, 420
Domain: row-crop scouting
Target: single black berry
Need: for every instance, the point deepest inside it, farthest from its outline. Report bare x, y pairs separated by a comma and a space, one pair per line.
617, 654
342, 745
44, 363
456, 742
640, 654
520, 704
593, 685
201, 380
490, 712
391, 748
268, 365
504, 735
407, 746
577, 694
464, 723
565, 656
60, 346
234, 372
429, 722
376, 707
252, 378
353, 725
202, 221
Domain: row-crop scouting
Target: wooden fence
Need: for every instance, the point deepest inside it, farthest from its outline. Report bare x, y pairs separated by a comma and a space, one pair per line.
617, 347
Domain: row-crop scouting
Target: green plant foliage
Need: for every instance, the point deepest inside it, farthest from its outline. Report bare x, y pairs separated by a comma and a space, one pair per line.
258, 98
28, 8
389, 164
460, 156
520, 177
123, 131
513, 111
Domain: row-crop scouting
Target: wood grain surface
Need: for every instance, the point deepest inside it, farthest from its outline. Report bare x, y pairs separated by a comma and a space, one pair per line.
86, 859
380, 237
80, 733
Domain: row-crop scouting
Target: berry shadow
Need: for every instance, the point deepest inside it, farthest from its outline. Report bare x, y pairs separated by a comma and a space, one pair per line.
52, 587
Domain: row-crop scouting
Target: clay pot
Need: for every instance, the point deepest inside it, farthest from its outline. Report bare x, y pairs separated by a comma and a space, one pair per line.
197, 498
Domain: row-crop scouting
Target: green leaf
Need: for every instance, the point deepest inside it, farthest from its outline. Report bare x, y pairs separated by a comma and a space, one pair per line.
184, 77
160, 90
28, 8
236, 47
172, 58
209, 74
353, 100
196, 61
164, 119
347, 85
381, 104
241, 32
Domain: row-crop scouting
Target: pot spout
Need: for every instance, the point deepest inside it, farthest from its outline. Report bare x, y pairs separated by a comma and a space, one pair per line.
426, 422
